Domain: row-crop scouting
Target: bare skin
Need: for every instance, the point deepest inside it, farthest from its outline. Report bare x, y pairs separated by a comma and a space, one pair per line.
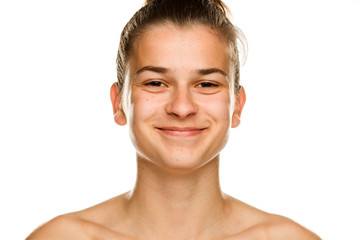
220, 217
113, 220
180, 109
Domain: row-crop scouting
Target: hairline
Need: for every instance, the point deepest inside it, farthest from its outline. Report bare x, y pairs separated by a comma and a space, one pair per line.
187, 25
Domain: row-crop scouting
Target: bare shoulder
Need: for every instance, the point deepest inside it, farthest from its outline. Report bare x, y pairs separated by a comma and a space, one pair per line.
61, 227
70, 227
252, 223
92, 223
279, 227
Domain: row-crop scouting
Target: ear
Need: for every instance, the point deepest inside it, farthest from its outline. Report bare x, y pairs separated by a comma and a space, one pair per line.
240, 100
118, 112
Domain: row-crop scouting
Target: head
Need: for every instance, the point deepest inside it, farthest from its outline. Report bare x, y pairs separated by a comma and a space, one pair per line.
182, 13
167, 51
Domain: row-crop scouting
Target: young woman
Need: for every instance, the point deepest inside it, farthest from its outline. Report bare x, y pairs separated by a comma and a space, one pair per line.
178, 90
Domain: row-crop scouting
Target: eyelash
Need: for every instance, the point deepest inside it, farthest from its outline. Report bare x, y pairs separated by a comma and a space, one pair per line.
155, 84
207, 84
200, 85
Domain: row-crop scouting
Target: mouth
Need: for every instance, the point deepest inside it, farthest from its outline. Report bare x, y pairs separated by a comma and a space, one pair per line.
181, 131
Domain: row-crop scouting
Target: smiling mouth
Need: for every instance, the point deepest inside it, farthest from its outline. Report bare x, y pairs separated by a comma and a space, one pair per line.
181, 131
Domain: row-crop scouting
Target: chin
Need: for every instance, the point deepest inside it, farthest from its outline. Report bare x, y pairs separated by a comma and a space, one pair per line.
182, 163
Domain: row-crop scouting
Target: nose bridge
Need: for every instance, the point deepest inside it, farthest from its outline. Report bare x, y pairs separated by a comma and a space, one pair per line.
182, 103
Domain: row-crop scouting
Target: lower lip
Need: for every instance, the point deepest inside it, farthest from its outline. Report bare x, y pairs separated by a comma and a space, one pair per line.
177, 133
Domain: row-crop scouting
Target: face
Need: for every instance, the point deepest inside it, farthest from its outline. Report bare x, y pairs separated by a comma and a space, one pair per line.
181, 101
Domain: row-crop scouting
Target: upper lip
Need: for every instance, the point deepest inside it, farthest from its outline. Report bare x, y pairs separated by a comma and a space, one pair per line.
181, 129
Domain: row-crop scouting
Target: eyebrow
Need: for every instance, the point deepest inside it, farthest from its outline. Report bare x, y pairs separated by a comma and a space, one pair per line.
163, 70
151, 69
210, 71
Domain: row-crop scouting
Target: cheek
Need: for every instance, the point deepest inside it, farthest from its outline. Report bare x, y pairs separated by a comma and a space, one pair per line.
218, 108
143, 106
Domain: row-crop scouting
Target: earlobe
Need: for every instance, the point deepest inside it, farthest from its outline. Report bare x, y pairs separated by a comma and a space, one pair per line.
240, 100
119, 115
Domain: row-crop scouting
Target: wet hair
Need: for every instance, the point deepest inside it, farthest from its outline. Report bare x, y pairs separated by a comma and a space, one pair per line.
182, 13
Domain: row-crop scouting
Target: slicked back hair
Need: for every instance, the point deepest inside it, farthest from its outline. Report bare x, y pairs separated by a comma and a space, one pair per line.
182, 13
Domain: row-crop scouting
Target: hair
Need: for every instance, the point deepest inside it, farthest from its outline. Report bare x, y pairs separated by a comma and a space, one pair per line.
210, 13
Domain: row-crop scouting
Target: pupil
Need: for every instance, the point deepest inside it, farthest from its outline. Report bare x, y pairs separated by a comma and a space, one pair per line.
157, 84
206, 84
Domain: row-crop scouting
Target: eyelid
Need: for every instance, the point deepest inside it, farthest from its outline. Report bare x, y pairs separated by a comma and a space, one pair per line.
149, 82
212, 83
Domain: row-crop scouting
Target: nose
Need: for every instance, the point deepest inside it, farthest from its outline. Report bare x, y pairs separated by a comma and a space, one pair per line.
181, 103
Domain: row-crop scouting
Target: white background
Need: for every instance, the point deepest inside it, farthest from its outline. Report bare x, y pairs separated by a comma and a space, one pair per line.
295, 152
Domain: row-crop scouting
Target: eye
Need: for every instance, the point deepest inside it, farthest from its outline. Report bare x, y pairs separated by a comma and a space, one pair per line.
155, 84
207, 85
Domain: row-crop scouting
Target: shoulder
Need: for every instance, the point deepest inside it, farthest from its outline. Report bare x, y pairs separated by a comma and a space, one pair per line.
279, 227
71, 227
61, 227
252, 223
92, 223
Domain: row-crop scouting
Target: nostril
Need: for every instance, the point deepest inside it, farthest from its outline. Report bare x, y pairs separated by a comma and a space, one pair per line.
182, 105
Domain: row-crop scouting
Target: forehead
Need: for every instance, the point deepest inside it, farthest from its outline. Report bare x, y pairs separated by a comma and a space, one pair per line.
181, 49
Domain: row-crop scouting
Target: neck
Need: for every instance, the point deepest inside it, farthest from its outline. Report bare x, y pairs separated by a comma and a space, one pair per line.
184, 205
